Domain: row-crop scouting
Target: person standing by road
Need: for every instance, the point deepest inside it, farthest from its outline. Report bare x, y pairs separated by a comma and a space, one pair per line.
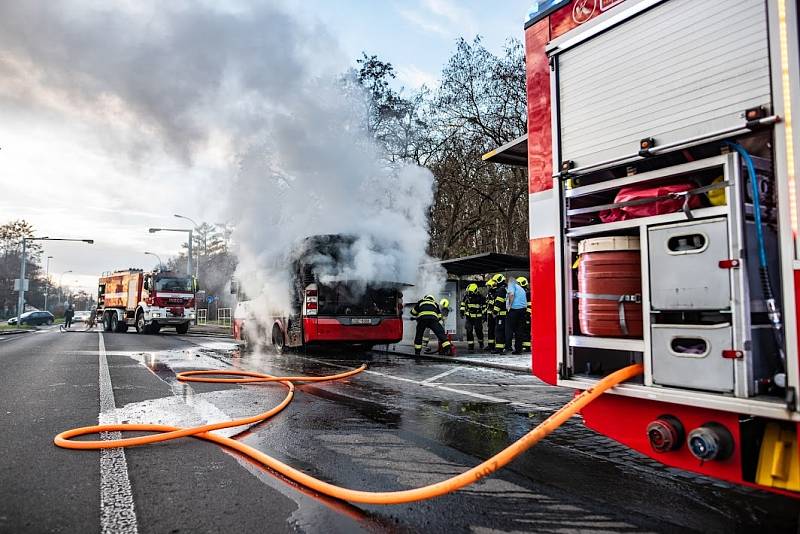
491, 291
517, 309
68, 315
472, 304
526, 338
500, 314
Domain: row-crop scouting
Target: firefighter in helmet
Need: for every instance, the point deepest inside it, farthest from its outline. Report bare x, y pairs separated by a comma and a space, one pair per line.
472, 309
429, 316
488, 310
526, 340
444, 306
498, 306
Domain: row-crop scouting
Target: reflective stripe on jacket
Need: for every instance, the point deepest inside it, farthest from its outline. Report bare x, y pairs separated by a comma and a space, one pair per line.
426, 308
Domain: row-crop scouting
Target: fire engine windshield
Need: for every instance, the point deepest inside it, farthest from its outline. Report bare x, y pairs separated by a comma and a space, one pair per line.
347, 298
174, 284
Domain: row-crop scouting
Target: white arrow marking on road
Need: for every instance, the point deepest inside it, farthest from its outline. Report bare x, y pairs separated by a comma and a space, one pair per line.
440, 375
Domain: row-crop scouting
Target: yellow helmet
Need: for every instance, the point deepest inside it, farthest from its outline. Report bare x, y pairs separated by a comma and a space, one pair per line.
491, 283
472, 288
522, 281
429, 297
499, 278
444, 303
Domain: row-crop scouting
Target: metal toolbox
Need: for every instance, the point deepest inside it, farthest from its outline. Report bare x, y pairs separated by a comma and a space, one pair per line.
685, 273
690, 356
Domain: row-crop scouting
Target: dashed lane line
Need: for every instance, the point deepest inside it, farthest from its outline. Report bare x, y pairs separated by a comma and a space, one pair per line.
117, 513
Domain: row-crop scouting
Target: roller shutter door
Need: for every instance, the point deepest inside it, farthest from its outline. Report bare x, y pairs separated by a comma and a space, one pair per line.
680, 69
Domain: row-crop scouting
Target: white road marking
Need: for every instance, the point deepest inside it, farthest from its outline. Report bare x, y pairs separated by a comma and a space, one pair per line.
117, 513
441, 375
489, 398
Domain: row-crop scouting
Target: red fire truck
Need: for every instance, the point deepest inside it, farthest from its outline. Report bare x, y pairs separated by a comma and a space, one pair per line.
148, 300
662, 159
325, 310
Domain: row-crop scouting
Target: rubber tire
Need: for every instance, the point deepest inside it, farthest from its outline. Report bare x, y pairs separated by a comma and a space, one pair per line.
141, 327
49, 321
155, 328
107, 322
122, 327
182, 328
278, 342
113, 323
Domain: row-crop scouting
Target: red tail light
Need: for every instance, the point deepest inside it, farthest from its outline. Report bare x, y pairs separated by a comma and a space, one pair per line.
311, 302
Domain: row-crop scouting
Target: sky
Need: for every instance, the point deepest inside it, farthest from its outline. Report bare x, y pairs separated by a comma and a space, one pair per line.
111, 122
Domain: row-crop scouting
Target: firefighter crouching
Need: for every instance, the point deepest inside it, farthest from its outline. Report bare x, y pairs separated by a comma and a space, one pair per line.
498, 306
491, 292
429, 316
526, 340
472, 309
444, 308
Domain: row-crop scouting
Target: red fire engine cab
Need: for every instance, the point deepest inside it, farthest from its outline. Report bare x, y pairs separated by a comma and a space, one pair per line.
663, 152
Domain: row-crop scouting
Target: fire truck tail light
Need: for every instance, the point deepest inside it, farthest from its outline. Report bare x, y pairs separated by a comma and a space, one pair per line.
712, 441
665, 433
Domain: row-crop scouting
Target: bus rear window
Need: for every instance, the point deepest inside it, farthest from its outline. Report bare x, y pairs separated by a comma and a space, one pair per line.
352, 299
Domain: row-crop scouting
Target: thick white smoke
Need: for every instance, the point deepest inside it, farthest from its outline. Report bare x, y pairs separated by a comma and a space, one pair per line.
317, 171
246, 91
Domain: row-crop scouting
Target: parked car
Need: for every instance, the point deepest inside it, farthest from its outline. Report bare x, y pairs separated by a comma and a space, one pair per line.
81, 316
34, 318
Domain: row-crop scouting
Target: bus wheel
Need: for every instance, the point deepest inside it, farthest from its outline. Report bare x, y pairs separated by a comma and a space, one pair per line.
277, 339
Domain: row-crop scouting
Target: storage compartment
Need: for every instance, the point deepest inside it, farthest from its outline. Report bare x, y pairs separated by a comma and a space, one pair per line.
595, 362
610, 287
685, 273
691, 356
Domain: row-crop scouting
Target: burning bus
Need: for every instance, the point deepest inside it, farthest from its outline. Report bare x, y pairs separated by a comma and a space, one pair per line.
328, 306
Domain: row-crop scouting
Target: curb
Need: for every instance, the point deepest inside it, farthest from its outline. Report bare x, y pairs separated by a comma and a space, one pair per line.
12, 332
477, 363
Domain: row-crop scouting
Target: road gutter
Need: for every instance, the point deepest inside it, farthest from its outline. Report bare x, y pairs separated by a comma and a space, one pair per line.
117, 513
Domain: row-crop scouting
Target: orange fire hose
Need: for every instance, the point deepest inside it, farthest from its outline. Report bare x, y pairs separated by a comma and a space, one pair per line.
450, 485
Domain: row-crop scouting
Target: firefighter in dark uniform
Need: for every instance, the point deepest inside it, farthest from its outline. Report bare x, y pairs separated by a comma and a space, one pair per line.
444, 307
472, 309
428, 315
526, 340
498, 305
491, 289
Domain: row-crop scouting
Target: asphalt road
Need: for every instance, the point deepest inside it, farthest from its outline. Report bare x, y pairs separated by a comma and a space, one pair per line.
401, 424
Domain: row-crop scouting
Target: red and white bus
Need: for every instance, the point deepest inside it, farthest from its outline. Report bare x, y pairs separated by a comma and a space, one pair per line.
325, 310
664, 133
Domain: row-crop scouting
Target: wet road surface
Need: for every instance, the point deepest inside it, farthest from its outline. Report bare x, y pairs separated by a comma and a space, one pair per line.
401, 424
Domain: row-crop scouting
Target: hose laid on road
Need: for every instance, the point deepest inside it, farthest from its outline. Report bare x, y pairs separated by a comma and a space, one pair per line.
449, 485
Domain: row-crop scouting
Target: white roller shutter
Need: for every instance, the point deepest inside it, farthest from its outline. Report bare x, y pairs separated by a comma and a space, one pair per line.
680, 69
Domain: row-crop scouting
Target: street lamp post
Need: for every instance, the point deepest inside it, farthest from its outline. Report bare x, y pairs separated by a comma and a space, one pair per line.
60, 286
47, 282
21, 301
197, 258
189, 259
160, 265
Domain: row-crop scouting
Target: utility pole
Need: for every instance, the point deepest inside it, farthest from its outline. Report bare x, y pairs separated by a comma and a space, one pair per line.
47, 282
21, 299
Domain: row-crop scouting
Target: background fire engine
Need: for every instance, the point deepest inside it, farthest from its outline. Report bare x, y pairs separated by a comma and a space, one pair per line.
662, 162
148, 300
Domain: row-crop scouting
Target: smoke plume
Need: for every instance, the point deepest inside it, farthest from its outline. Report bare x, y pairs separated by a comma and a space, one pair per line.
250, 92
